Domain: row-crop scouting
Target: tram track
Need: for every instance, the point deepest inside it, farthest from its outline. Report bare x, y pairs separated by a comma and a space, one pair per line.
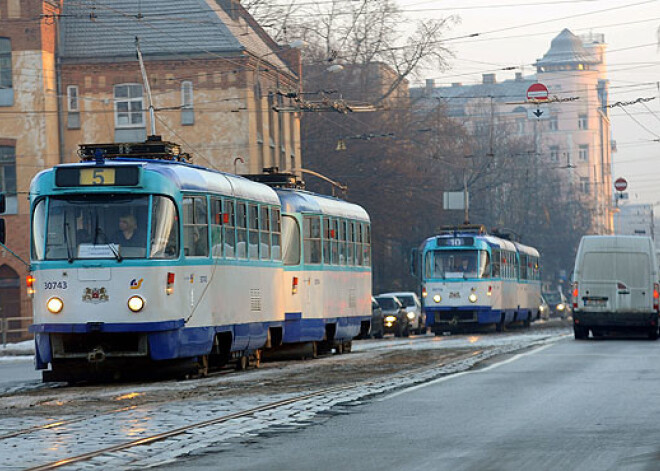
294, 409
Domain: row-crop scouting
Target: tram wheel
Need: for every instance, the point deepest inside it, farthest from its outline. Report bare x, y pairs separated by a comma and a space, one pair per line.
580, 333
499, 327
203, 366
653, 333
339, 348
242, 363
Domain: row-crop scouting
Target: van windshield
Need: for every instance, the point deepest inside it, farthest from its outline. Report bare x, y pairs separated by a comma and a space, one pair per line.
632, 269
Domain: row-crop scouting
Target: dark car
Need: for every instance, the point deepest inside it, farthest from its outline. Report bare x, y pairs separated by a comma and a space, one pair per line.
395, 319
377, 330
559, 306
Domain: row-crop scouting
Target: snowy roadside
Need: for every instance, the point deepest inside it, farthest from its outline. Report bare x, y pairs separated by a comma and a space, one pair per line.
17, 351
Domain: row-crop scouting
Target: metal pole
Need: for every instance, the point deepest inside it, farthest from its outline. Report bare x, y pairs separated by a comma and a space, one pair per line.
145, 79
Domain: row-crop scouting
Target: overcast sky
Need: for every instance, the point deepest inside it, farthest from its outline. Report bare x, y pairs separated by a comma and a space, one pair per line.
518, 32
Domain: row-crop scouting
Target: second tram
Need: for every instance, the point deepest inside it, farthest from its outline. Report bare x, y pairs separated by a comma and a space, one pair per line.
470, 278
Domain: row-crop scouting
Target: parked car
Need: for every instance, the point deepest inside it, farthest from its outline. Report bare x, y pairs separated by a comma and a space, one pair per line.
413, 306
395, 318
544, 309
559, 306
377, 329
615, 286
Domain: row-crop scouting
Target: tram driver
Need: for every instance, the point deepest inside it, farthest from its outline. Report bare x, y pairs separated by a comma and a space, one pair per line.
128, 234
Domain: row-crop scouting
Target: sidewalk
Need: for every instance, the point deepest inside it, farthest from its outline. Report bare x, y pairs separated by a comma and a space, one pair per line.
19, 349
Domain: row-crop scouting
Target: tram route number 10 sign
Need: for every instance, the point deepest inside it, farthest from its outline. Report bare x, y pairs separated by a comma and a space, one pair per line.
454, 241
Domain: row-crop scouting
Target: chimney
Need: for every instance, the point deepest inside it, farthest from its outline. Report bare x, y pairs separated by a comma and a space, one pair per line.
430, 85
488, 78
518, 76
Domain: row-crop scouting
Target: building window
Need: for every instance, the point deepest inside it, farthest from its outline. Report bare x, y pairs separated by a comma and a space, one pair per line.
73, 107
554, 123
8, 170
584, 184
6, 84
584, 153
187, 113
129, 109
583, 122
554, 153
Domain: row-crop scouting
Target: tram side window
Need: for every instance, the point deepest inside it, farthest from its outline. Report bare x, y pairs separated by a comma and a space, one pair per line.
327, 258
484, 265
496, 263
39, 230
241, 230
290, 240
312, 236
342, 242
523, 267
350, 242
358, 244
367, 245
216, 227
229, 221
164, 229
334, 233
264, 233
195, 226
276, 234
253, 231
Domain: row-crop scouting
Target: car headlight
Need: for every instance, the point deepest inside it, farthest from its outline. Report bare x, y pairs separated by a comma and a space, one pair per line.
55, 305
135, 303
561, 307
472, 298
390, 319
410, 315
437, 298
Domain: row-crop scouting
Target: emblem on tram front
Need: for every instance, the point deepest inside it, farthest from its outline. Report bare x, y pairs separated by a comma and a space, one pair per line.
95, 295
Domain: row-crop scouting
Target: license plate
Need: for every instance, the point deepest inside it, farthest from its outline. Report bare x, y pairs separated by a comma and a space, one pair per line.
595, 302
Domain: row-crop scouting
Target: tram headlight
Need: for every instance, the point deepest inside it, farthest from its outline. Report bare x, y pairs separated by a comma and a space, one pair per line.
55, 305
561, 307
390, 319
135, 303
472, 298
437, 298
410, 315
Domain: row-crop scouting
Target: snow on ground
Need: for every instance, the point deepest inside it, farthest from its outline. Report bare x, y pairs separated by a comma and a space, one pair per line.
16, 350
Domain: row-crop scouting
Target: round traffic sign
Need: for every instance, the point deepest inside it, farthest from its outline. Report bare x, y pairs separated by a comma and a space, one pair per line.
537, 92
620, 184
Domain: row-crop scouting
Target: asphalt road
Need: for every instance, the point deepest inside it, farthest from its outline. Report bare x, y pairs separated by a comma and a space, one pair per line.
15, 370
575, 405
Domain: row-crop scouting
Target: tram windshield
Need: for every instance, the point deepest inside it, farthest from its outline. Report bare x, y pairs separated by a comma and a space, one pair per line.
457, 264
104, 226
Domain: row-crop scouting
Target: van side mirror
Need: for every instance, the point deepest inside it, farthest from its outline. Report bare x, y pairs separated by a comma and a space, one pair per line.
2, 231
414, 265
3, 203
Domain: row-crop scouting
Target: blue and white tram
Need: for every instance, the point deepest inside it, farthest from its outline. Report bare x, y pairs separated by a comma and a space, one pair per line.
330, 278
470, 278
144, 259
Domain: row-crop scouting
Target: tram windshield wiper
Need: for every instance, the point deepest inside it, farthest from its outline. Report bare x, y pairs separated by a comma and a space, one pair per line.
67, 241
98, 231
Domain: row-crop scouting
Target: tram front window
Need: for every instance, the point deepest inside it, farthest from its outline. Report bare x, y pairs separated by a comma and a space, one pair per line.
96, 226
457, 264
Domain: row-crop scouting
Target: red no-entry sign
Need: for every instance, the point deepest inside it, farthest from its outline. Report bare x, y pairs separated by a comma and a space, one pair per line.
537, 92
620, 184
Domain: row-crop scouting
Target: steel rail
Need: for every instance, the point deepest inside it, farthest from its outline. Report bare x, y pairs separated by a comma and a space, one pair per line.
186, 428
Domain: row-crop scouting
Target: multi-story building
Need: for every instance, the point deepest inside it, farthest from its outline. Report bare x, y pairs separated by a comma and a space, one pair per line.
572, 134
69, 74
634, 219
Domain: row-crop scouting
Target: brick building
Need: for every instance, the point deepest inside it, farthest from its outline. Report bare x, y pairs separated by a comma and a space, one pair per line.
69, 75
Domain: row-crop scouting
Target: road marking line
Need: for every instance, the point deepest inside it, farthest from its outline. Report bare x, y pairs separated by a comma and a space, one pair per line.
456, 375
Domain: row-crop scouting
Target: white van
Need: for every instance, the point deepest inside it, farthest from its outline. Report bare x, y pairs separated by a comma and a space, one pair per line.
615, 286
